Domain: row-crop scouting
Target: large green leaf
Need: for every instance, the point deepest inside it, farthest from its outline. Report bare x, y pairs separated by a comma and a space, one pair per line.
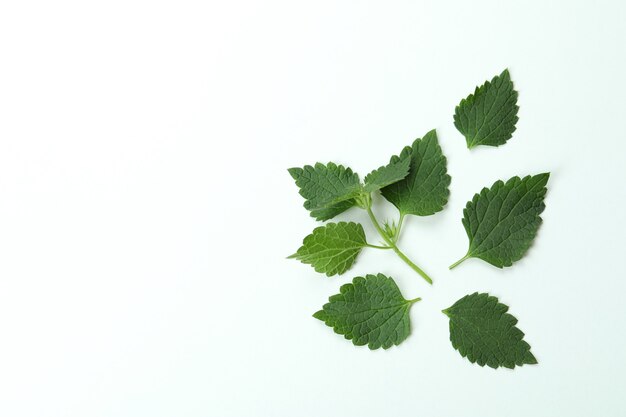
483, 332
370, 311
502, 221
333, 248
424, 191
488, 116
328, 189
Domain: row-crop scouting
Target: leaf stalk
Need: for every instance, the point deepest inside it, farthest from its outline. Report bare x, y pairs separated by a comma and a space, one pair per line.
457, 263
377, 247
395, 248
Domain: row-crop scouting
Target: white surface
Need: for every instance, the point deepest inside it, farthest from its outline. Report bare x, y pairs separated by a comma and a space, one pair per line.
145, 210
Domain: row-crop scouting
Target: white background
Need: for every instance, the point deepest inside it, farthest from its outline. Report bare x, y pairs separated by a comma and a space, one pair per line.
146, 211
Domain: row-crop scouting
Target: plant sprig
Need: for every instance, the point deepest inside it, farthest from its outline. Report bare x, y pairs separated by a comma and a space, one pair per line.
416, 182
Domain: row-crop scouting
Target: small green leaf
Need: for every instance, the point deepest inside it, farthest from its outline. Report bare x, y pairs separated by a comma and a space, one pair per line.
483, 332
333, 248
331, 211
370, 311
328, 189
425, 190
386, 175
502, 221
488, 116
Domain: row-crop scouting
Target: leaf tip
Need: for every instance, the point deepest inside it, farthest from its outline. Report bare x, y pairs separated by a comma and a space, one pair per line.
320, 315
431, 132
542, 178
294, 172
530, 359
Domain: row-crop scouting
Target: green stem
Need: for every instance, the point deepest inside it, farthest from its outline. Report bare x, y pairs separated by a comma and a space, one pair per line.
457, 263
377, 247
415, 300
411, 264
393, 246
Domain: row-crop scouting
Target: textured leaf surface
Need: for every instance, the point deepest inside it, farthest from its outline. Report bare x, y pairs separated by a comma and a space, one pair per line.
370, 311
488, 116
483, 332
386, 175
331, 211
502, 221
328, 189
333, 248
424, 191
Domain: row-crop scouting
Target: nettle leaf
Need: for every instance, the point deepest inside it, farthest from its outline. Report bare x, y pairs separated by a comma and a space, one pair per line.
425, 190
488, 116
502, 221
333, 248
328, 189
331, 211
370, 311
386, 175
483, 332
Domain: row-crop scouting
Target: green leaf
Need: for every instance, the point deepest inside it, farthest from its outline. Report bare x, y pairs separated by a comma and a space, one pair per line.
328, 189
425, 190
386, 175
333, 248
369, 311
488, 116
331, 211
502, 221
483, 332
